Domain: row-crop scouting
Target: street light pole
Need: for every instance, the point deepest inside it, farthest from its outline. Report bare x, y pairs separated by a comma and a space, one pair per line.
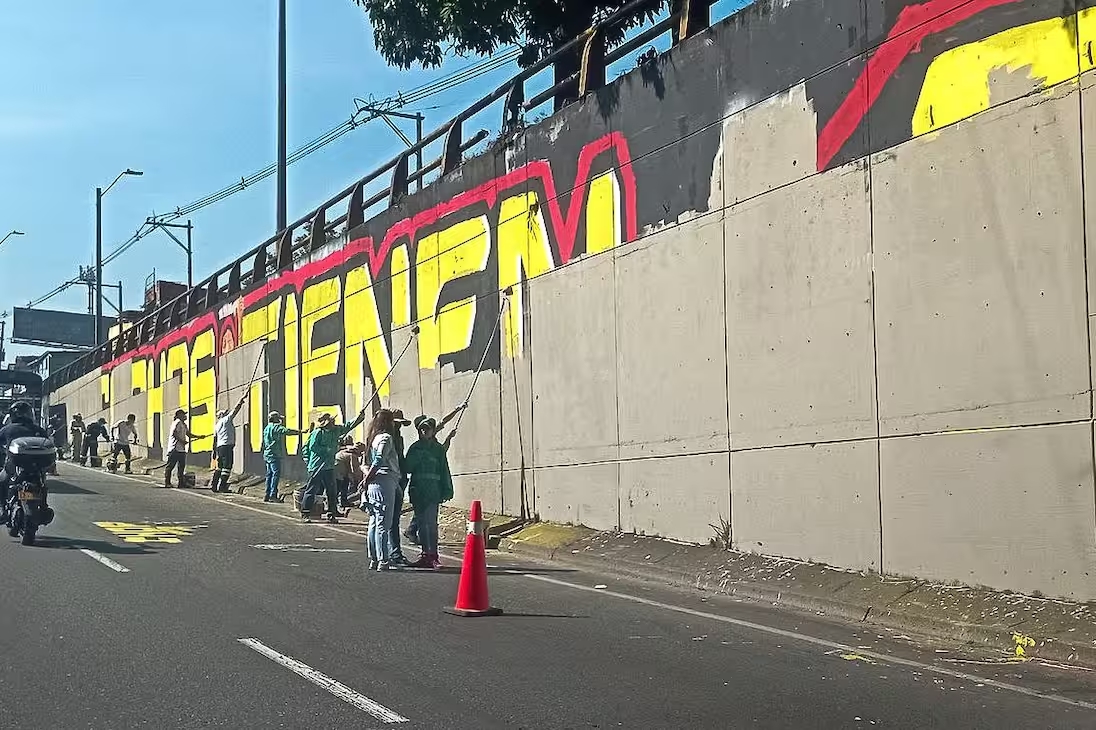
282, 213
13, 233
99, 193
98, 265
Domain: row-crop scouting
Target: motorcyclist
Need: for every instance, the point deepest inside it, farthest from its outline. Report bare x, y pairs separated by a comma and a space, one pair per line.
20, 425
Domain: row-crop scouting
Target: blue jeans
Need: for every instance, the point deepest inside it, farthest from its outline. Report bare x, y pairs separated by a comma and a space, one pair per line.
394, 532
428, 528
273, 475
382, 498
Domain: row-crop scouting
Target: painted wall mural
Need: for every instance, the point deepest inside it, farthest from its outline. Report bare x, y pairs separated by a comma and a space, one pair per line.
637, 156
329, 324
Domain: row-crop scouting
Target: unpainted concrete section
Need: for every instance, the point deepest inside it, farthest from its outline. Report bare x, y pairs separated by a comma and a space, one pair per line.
979, 255
818, 503
1009, 509
799, 313
671, 355
580, 495
573, 332
686, 497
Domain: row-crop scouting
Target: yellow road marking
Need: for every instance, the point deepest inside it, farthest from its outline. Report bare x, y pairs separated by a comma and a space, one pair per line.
144, 533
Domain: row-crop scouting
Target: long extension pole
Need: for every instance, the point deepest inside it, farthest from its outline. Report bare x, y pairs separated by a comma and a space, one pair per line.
487, 348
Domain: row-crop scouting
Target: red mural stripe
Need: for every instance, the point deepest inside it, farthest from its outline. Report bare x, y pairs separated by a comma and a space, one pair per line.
914, 24
564, 225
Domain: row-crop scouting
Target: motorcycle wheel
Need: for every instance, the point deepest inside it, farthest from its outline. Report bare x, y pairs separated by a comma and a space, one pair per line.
29, 532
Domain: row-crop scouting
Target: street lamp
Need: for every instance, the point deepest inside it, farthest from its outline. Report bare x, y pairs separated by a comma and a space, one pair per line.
99, 193
13, 233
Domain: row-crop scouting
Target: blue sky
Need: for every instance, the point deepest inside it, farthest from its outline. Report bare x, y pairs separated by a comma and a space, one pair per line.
189, 98
185, 93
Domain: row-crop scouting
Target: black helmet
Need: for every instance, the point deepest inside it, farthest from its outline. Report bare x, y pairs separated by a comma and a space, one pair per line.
21, 409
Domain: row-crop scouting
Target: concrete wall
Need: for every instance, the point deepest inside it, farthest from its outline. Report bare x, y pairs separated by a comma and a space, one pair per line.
820, 272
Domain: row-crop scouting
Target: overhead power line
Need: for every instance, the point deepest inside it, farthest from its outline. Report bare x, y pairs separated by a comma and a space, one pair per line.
359, 118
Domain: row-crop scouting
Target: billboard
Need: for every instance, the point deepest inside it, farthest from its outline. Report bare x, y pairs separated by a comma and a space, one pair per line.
54, 328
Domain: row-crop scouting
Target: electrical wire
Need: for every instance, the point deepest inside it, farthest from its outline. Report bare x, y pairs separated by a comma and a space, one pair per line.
359, 118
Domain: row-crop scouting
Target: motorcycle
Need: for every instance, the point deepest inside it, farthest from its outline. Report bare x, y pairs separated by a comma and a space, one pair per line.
32, 458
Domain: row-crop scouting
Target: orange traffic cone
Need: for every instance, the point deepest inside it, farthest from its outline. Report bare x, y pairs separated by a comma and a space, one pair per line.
472, 597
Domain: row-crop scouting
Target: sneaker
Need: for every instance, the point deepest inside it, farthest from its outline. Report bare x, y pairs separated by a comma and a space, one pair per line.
435, 563
400, 562
334, 519
373, 564
383, 566
424, 561
306, 518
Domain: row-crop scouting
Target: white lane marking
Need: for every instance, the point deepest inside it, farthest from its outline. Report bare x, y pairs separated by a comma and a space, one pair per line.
702, 614
105, 560
301, 548
319, 679
796, 636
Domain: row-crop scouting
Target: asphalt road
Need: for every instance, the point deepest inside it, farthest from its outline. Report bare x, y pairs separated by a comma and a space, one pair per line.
207, 630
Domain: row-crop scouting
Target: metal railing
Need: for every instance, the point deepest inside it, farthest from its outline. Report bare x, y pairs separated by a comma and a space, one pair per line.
278, 253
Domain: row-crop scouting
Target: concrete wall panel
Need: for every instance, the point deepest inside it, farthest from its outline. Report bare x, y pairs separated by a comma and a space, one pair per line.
679, 497
581, 495
979, 263
818, 503
671, 356
517, 488
478, 446
485, 487
517, 413
573, 336
1009, 509
769, 144
799, 328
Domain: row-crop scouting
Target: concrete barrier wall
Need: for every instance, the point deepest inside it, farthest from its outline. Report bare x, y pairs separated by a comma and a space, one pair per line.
820, 273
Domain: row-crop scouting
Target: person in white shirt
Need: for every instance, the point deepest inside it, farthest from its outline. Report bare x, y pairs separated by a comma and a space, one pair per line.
177, 444
224, 446
124, 433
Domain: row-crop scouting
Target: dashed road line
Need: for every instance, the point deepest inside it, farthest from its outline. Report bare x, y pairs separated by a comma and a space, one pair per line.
118, 567
340, 690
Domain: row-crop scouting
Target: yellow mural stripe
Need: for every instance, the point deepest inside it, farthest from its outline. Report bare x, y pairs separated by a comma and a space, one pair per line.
958, 82
145, 533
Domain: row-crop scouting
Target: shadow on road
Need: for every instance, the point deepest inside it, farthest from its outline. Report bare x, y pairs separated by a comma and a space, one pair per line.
67, 488
100, 546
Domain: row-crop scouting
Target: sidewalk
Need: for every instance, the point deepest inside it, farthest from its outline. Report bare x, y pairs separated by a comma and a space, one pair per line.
1017, 626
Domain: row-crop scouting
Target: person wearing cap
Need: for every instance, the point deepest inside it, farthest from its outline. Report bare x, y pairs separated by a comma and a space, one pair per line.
412, 532
381, 483
320, 450
177, 444
224, 446
431, 485
97, 430
273, 452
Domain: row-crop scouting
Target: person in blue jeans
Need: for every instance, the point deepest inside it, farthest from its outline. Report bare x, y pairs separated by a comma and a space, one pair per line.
273, 452
381, 481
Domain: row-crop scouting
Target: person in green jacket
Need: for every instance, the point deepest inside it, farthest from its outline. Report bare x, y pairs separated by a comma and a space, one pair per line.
319, 453
431, 485
273, 452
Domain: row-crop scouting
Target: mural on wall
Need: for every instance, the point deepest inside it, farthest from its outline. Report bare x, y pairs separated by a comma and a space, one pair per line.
328, 324
584, 182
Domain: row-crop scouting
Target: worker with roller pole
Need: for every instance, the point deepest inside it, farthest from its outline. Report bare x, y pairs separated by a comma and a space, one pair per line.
224, 445
412, 531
